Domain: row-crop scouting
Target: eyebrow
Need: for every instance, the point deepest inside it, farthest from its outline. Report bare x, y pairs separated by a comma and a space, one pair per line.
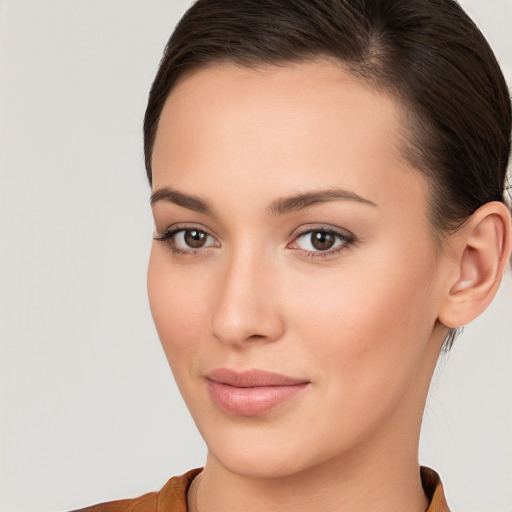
188, 201
280, 206
297, 202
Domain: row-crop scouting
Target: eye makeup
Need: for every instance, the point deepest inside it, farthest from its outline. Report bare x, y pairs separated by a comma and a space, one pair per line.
321, 241
187, 240
310, 241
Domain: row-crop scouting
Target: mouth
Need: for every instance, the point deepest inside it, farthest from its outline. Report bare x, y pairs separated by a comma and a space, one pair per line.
251, 392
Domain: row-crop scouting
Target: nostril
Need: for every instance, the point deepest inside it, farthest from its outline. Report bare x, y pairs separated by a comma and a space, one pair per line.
249, 330
256, 337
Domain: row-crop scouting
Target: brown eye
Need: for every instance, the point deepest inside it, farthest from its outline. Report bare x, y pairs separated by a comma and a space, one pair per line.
187, 240
322, 240
195, 238
328, 241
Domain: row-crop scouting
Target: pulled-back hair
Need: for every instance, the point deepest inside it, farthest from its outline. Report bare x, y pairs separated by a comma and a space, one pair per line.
428, 54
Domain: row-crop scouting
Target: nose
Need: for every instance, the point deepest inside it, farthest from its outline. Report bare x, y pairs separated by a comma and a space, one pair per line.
247, 309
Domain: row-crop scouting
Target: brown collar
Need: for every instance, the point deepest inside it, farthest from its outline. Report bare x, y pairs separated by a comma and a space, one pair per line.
434, 490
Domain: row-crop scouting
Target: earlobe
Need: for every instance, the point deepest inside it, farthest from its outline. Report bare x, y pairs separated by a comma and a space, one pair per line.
483, 251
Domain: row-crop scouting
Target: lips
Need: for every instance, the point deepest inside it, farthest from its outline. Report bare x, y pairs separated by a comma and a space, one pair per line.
252, 392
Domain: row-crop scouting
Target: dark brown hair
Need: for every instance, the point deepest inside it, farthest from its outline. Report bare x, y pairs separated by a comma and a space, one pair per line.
427, 53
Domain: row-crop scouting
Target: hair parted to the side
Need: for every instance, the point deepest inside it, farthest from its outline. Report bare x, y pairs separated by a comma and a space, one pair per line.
428, 54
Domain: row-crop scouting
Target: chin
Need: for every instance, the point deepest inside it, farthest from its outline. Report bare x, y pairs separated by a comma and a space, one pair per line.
261, 450
254, 462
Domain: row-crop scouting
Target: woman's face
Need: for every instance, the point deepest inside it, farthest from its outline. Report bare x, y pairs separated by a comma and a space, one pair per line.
292, 239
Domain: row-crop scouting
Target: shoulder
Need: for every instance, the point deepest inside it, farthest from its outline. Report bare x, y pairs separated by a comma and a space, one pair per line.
171, 498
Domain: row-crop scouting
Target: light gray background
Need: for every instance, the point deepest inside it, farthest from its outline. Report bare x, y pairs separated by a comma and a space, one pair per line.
88, 408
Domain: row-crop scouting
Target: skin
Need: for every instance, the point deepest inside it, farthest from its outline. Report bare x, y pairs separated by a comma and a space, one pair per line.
360, 322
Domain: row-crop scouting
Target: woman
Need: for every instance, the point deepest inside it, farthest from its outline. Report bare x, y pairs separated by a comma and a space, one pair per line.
328, 188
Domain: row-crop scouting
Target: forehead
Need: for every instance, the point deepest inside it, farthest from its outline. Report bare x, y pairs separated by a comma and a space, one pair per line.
320, 92
308, 125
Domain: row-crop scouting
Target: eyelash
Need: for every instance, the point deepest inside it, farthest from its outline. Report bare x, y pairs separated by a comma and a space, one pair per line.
167, 237
347, 240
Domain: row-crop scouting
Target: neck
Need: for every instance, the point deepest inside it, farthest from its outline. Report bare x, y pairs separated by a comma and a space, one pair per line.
388, 480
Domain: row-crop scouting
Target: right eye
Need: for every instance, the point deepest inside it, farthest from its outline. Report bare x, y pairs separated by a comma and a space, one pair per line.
187, 240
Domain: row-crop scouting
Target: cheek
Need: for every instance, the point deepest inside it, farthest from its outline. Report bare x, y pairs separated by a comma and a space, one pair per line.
368, 320
178, 306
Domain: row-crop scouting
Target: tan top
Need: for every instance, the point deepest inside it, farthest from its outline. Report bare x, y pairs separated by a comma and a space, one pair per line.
173, 496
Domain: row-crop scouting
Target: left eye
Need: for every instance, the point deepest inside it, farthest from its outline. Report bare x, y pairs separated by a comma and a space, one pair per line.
320, 240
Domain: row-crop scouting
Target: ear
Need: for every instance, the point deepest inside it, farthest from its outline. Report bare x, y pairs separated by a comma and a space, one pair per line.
482, 252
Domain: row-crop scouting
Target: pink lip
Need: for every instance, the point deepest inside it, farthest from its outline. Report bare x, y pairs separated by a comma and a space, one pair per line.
251, 392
